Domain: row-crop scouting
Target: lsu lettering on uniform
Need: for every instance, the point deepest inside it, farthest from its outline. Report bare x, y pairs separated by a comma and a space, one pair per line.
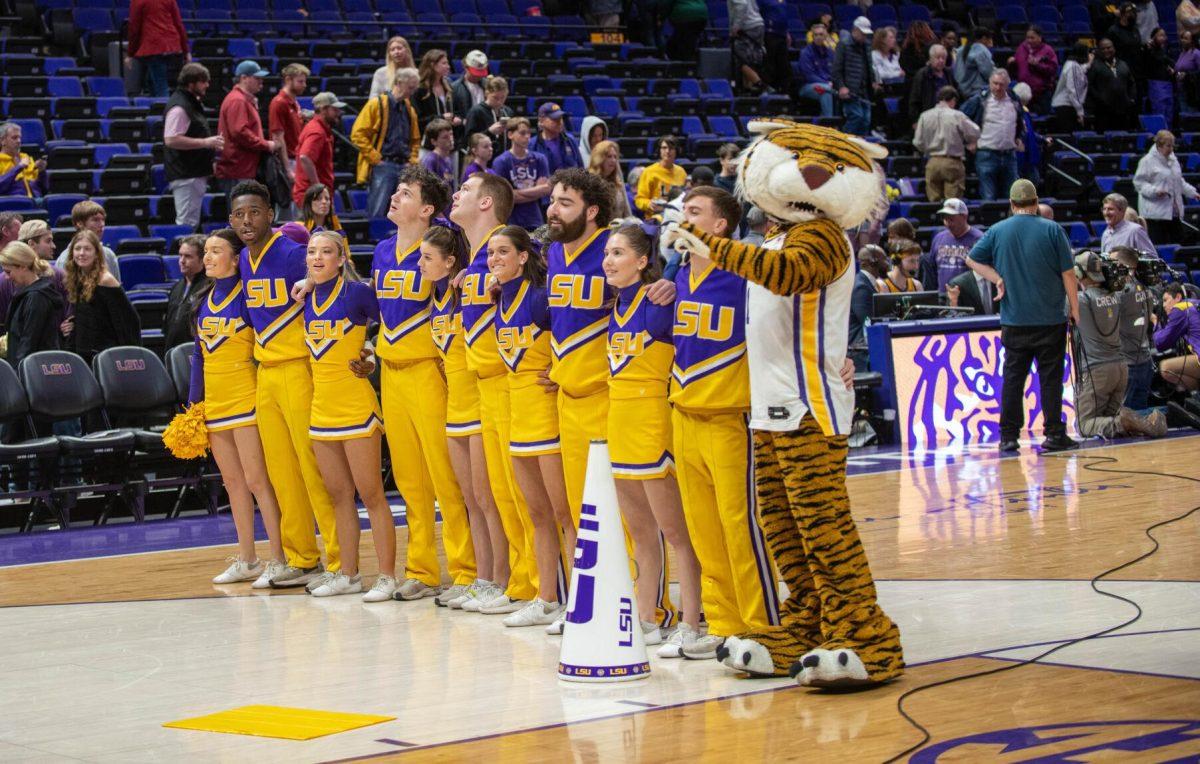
283, 399
713, 459
483, 360
523, 339
223, 373
335, 329
414, 412
462, 389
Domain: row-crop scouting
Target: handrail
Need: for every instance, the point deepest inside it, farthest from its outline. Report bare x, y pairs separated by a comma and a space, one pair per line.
1069, 177
1075, 151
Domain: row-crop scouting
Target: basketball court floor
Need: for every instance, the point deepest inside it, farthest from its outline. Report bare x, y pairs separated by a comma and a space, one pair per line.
984, 562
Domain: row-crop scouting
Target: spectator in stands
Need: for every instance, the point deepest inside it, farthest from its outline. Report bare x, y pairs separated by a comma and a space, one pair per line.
104, 317
240, 125
688, 19
885, 57
1161, 189
1120, 232
948, 251
38, 236
398, 56
854, 77
661, 181
1126, 40
927, 83
285, 120
19, 174
1029, 156
314, 151
177, 324
468, 92
816, 70
605, 161
777, 66
950, 40
973, 65
158, 43
1147, 19
492, 114
552, 141
830, 40
1159, 71
1028, 261
756, 226
906, 262
1070, 92
1045, 211
479, 154
1001, 128
90, 215
872, 267
1037, 66
33, 316
1187, 67
594, 131
434, 99
439, 159
915, 51
944, 135
317, 210
388, 137
526, 171
1187, 17
1183, 322
10, 227
747, 35
728, 156
189, 145
1110, 90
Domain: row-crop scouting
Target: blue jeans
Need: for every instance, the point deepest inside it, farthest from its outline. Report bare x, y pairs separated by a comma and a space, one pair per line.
825, 99
1137, 389
858, 116
384, 177
997, 171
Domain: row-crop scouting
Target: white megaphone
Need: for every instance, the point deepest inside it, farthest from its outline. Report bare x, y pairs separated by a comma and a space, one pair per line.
602, 636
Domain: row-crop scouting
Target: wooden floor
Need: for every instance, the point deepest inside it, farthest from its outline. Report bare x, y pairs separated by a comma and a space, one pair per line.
978, 559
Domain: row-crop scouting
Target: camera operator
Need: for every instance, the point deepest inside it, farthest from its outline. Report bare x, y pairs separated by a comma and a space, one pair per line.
1100, 365
1183, 322
1138, 302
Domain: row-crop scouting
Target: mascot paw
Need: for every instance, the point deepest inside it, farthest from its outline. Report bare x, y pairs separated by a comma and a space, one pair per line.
683, 241
746, 656
831, 668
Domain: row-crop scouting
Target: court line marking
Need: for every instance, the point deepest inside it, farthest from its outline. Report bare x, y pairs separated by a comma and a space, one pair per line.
1094, 668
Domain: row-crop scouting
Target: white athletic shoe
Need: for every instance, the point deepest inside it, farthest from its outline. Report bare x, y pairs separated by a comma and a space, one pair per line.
468, 594
480, 596
702, 648
274, 568
238, 571
412, 589
683, 635
292, 576
501, 605
340, 583
556, 629
537, 613
651, 634
451, 593
319, 580
382, 591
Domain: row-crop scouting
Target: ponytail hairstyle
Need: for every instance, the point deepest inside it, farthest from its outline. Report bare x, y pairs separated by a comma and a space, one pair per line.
349, 272
20, 254
199, 297
535, 265
643, 239
452, 244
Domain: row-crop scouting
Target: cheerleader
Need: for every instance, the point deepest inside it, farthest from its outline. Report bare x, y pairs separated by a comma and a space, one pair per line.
225, 379
640, 354
523, 337
345, 426
443, 256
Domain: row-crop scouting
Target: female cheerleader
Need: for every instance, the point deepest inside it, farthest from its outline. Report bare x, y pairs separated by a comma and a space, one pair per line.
640, 353
523, 337
443, 256
225, 378
345, 426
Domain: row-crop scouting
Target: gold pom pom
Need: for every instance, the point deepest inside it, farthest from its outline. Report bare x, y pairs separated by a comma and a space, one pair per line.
186, 437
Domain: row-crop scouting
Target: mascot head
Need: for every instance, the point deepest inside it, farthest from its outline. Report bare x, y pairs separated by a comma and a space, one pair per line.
796, 172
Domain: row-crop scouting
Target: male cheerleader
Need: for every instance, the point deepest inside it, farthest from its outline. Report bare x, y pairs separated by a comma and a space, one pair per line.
270, 265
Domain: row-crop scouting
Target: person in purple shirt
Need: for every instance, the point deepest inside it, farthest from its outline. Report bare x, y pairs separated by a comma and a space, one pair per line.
479, 152
816, 62
560, 148
948, 251
527, 171
1183, 322
1120, 232
1187, 70
439, 139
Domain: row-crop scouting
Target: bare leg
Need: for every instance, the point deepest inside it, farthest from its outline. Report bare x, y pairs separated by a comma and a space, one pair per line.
487, 504
339, 482
556, 490
250, 452
460, 460
662, 495
241, 502
363, 455
546, 550
647, 547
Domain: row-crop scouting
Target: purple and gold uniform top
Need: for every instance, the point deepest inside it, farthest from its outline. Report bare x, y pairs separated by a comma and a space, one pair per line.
224, 337
267, 282
522, 332
445, 327
335, 326
404, 303
640, 348
710, 371
578, 317
479, 314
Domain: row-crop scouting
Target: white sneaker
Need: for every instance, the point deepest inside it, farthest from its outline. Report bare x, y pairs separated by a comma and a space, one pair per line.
683, 635
651, 634
340, 583
238, 571
451, 593
501, 605
468, 593
556, 629
537, 613
293, 576
274, 568
702, 648
319, 580
413, 589
382, 591
480, 596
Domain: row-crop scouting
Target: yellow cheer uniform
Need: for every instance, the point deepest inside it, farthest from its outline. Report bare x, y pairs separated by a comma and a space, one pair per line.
223, 373
335, 327
639, 361
462, 398
523, 339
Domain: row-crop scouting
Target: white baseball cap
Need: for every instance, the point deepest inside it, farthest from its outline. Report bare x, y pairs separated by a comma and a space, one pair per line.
863, 24
953, 206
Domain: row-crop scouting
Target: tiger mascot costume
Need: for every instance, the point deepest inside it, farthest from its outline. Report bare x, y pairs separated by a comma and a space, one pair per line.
813, 183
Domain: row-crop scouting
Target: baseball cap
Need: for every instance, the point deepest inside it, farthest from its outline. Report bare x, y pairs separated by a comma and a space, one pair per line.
250, 69
477, 63
551, 110
32, 229
863, 24
1089, 263
1023, 193
953, 206
323, 99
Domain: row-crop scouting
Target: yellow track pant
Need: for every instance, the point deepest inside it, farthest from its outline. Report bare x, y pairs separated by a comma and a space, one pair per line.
283, 405
414, 416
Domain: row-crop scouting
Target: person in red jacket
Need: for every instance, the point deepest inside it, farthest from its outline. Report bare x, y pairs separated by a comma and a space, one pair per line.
241, 127
158, 42
314, 152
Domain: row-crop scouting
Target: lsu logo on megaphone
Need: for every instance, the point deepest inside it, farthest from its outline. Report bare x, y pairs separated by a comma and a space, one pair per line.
586, 555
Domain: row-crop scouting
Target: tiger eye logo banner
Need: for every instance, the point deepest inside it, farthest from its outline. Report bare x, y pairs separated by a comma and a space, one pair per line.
948, 389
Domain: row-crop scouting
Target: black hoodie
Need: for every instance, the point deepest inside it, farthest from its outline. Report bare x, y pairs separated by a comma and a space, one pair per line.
33, 318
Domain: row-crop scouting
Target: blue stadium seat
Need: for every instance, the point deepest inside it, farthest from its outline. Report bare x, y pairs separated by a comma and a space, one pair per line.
424, 6
910, 12
689, 87
106, 86
104, 152
1045, 15
16, 204
58, 205
114, 234
51, 65
1011, 14
358, 199
1076, 14
466, 23
1152, 123
93, 20
357, 6
606, 107
1167, 252
460, 6
882, 16
33, 132
140, 269
242, 47
169, 232
108, 103
491, 8
719, 87
1078, 233
844, 16
724, 126
536, 27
